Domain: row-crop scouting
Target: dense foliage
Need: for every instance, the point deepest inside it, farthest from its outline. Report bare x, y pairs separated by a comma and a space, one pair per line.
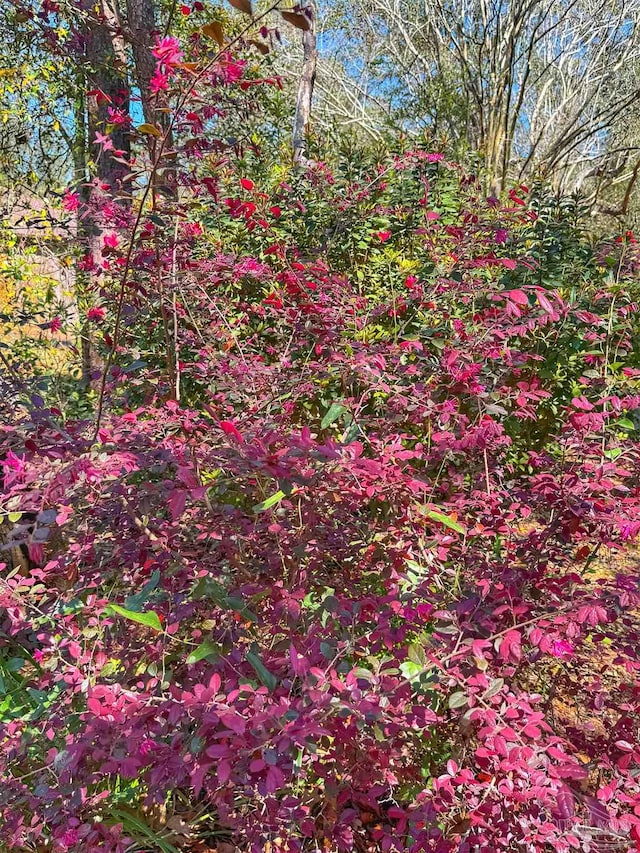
337, 552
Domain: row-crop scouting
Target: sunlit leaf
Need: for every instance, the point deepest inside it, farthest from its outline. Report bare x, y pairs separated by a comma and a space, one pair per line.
626, 423
411, 670
446, 520
417, 655
458, 700
270, 501
149, 129
494, 688
206, 649
150, 618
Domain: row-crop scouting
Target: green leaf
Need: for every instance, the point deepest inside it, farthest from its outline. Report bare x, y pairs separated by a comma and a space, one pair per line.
135, 365
150, 618
267, 678
208, 588
206, 649
351, 433
269, 502
417, 655
327, 650
411, 671
626, 423
14, 517
457, 700
446, 520
332, 414
135, 602
331, 603
235, 603
612, 454
494, 688
135, 826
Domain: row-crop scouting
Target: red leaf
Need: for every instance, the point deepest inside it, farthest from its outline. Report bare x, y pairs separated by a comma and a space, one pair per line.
565, 803
94, 706
518, 296
510, 647
275, 778
545, 304
229, 428
177, 503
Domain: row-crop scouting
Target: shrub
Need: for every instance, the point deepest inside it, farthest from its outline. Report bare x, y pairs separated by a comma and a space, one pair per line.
328, 571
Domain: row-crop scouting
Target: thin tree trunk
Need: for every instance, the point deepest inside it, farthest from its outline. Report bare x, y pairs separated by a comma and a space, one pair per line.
83, 228
141, 20
305, 90
107, 76
142, 32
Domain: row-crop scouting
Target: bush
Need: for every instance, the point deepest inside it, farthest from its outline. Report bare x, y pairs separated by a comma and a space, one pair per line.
329, 570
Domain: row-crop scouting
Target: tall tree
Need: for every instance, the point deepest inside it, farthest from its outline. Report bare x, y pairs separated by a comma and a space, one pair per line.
533, 86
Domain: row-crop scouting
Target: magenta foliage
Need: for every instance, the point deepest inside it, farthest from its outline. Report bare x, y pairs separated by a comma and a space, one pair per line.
357, 557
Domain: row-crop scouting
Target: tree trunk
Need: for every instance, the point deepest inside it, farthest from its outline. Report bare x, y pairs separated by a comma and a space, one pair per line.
141, 20
142, 32
305, 90
107, 75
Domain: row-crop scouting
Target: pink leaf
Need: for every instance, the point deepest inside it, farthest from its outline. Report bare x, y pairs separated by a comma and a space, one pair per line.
177, 503
275, 779
518, 296
224, 772
229, 428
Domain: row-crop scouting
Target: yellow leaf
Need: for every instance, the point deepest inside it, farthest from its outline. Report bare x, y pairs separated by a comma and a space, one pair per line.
242, 6
214, 31
150, 129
